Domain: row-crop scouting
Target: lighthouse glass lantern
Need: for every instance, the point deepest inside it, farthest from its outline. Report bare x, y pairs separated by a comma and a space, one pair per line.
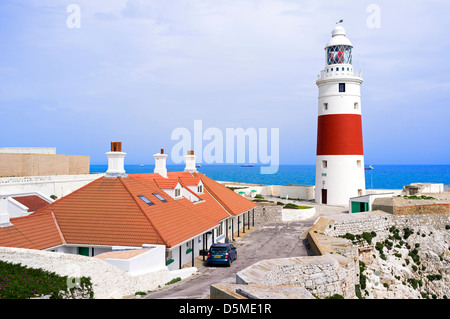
339, 54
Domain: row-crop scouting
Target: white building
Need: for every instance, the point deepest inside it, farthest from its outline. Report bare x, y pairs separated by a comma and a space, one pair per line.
340, 156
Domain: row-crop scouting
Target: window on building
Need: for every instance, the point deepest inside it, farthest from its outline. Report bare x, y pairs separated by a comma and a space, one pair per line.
325, 106
146, 200
162, 199
324, 164
356, 106
177, 192
341, 87
200, 189
358, 163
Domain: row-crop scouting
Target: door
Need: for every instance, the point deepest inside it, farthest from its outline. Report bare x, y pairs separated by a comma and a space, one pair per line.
324, 196
84, 251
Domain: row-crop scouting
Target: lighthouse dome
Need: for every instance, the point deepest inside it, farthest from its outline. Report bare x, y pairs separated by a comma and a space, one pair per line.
339, 48
339, 37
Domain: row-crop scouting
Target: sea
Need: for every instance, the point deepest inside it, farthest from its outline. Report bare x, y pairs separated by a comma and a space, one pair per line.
380, 177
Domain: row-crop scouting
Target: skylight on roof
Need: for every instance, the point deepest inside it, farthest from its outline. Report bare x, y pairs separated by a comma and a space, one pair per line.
146, 200
162, 199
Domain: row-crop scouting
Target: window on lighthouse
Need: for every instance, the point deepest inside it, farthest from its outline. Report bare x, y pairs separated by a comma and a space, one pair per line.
339, 54
341, 87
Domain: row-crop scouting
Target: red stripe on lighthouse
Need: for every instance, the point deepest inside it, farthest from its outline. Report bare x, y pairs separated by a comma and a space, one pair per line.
340, 134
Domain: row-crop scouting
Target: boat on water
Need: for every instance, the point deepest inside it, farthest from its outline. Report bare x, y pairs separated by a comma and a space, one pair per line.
198, 165
142, 165
369, 168
248, 165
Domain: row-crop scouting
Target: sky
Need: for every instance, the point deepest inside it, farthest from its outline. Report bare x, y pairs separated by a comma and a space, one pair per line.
78, 74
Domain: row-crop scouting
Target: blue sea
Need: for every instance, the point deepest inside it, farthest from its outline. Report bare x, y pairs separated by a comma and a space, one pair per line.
381, 177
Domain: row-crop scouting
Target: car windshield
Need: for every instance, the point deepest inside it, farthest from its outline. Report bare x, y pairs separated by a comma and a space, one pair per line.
218, 250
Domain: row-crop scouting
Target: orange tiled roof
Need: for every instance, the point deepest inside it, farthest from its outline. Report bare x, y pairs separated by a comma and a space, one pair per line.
234, 203
33, 202
32, 232
109, 212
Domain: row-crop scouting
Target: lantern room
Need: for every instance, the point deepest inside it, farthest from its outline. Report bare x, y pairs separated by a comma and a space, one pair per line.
339, 48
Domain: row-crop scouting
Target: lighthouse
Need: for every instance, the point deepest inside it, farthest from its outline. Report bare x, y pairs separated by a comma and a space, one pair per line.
340, 155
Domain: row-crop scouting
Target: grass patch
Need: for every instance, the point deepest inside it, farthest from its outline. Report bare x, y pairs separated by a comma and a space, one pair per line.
293, 206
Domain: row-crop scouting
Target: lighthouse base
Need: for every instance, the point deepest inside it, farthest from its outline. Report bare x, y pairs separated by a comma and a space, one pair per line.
339, 178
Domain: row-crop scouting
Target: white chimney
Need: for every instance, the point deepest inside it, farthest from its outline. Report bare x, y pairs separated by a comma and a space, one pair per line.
116, 162
160, 163
190, 162
4, 216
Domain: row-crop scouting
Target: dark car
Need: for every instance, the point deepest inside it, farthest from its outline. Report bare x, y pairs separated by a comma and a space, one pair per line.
221, 254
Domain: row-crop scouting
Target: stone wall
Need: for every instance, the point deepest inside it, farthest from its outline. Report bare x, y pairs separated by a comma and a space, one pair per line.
268, 213
379, 222
405, 206
323, 276
43, 164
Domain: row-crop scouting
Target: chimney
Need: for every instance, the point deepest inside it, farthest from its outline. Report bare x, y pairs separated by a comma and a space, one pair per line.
116, 163
4, 216
190, 162
160, 163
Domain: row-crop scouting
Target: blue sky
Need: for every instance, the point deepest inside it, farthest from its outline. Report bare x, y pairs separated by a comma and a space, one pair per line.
136, 70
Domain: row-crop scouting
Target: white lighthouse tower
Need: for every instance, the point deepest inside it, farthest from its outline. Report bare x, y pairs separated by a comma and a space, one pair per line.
340, 156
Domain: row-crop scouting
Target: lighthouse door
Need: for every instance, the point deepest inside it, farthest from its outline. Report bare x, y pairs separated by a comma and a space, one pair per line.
324, 196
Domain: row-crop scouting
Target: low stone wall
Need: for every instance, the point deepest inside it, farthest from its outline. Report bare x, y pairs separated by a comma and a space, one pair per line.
380, 221
323, 276
268, 213
107, 280
406, 206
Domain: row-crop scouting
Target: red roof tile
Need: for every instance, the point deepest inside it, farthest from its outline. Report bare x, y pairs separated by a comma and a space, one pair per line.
33, 202
109, 212
32, 232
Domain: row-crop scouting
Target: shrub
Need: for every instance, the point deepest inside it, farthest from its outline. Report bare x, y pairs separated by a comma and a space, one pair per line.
368, 236
434, 277
407, 232
335, 296
349, 236
293, 206
174, 280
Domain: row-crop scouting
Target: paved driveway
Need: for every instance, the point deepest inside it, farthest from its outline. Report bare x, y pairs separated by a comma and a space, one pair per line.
270, 240
264, 241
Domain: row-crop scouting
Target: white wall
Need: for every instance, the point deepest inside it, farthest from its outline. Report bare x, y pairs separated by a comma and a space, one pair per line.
343, 178
59, 185
28, 150
149, 261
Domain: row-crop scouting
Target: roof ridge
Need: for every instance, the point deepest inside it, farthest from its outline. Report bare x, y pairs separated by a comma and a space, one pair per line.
58, 228
142, 209
214, 195
72, 193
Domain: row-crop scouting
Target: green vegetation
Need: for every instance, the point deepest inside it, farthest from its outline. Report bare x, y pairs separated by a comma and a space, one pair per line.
336, 296
139, 293
421, 197
234, 188
434, 277
20, 282
293, 206
174, 280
